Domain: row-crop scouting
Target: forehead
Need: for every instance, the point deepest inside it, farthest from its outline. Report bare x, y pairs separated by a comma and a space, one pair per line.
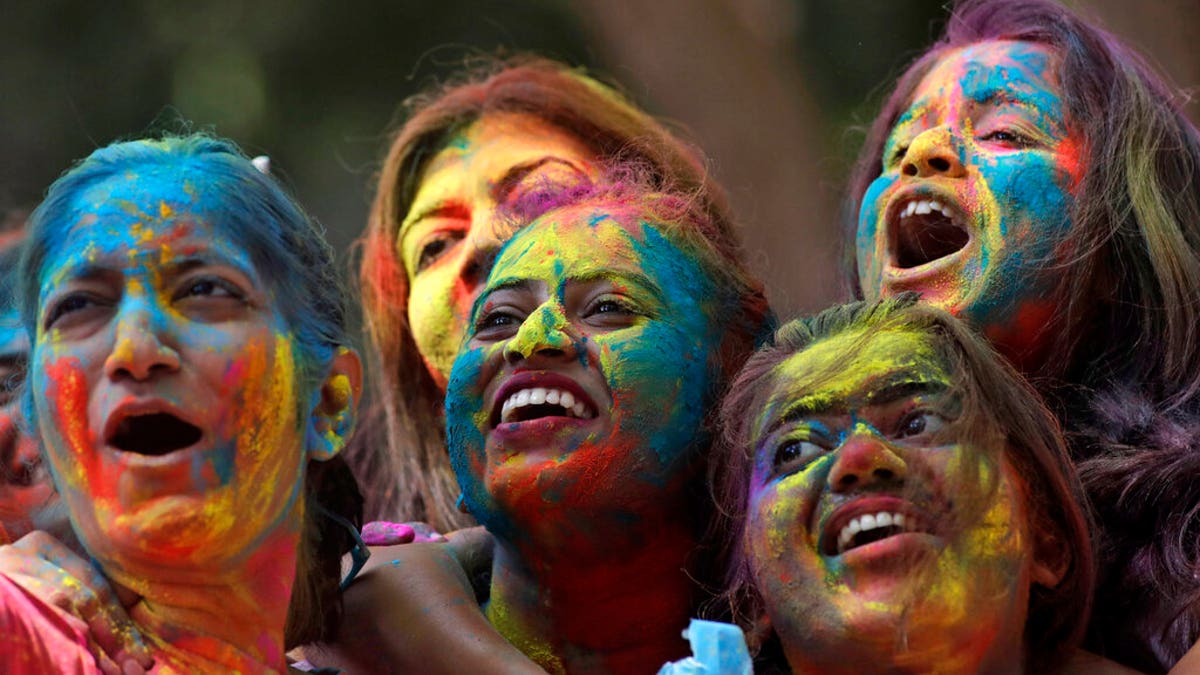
850, 366
582, 241
980, 70
501, 140
143, 216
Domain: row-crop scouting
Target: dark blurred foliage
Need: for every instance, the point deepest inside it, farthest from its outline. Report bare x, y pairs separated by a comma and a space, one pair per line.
773, 90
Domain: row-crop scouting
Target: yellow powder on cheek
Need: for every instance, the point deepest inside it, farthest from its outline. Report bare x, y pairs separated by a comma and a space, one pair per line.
269, 438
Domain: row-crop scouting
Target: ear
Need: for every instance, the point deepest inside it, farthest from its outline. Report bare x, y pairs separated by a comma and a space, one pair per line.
1051, 559
332, 421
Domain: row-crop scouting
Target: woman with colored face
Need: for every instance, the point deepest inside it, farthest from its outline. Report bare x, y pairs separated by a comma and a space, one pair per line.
900, 501
578, 413
465, 151
192, 384
1032, 175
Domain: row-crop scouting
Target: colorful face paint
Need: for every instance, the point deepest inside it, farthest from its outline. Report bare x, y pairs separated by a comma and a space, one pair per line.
858, 536
450, 234
973, 206
25, 488
581, 390
165, 381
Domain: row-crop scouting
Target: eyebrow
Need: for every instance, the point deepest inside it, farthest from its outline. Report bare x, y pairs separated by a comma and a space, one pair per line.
517, 173
499, 190
896, 390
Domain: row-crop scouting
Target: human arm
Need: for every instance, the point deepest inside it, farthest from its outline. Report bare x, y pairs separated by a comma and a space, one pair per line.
413, 609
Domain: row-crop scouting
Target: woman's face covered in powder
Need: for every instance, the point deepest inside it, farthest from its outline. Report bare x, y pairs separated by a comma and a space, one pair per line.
579, 397
164, 380
973, 207
451, 234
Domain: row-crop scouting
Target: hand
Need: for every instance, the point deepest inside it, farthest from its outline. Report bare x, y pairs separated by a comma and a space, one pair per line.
45, 567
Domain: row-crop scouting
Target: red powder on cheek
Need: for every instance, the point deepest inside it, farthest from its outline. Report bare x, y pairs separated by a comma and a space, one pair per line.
67, 387
1070, 150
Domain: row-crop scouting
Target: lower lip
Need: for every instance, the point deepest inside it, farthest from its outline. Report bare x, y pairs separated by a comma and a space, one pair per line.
188, 471
902, 549
538, 431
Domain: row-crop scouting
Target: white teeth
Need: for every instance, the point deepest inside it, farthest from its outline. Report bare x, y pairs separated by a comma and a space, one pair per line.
868, 521
924, 206
543, 395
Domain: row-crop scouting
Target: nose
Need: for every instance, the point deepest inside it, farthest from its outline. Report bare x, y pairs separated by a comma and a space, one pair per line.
143, 345
483, 244
933, 153
865, 459
544, 332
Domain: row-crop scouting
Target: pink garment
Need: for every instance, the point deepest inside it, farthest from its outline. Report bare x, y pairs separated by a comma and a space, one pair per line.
36, 638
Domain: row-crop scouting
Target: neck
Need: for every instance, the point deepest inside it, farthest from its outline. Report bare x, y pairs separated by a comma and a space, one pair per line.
581, 612
229, 620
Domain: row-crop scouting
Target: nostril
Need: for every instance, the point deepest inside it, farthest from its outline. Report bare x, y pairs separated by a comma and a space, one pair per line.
847, 481
909, 170
885, 474
939, 164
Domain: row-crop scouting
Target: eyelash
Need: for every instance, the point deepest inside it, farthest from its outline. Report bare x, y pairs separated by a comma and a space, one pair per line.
229, 287
71, 303
434, 248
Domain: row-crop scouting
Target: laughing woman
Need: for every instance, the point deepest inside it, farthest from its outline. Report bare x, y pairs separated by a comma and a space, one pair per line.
1032, 175
578, 417
192, 384
901, 501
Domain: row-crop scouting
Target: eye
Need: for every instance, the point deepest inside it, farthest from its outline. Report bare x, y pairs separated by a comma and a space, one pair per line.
898, 155
1007, 137
795, 453
919, 424
611, 311
497, 323
68, 305
11, 379
434, 248
209, 287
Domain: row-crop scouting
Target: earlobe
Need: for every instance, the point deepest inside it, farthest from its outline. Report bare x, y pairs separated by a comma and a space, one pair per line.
334, 415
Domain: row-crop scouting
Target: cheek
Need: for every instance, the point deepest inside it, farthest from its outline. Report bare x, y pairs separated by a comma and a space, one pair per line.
871, 239
437, 316
659, 377
264, 412
61, 400
1031, 193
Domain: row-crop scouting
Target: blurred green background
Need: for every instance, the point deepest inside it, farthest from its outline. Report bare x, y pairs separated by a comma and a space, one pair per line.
773, 90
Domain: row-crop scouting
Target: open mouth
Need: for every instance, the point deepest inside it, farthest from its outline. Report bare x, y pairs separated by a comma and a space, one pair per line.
868, 528
924, 230
154, 434
523, 405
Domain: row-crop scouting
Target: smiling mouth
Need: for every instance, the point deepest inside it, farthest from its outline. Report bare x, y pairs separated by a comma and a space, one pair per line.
154, 434
925, 230
869, 528
534, 403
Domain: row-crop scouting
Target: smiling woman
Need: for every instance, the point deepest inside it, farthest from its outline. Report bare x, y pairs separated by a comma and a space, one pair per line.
578, 418
192, 385
901, 501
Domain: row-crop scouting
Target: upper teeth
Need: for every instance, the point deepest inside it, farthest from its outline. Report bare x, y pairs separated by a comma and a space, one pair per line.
868, 521
541, 395
923, 206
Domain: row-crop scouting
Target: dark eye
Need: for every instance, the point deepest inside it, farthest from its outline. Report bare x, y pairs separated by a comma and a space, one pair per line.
75, 302
898, 154
430, 252
920, 423
1007, 137
611, 307
11, 379
497, 323
795, 453
209, 287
